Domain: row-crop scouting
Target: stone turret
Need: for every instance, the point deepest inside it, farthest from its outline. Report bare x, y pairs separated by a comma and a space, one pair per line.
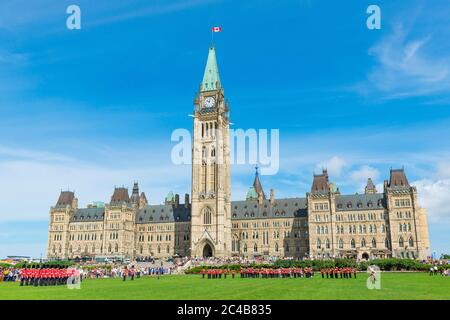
370, 187
321, 183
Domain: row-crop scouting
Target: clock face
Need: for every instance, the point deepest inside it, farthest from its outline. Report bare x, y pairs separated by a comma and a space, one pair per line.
209, 102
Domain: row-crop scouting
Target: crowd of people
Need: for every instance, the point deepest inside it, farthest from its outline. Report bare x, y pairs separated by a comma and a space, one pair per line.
9, 274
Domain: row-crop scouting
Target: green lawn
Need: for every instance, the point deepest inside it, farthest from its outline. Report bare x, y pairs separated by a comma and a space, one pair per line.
394, 286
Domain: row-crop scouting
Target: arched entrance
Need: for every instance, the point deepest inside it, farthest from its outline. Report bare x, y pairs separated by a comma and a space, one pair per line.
365, 256
207, 251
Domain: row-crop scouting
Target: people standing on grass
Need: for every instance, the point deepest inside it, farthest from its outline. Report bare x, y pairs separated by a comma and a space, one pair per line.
124, 273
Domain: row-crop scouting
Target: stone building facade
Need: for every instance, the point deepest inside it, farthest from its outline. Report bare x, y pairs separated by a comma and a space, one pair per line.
324, 224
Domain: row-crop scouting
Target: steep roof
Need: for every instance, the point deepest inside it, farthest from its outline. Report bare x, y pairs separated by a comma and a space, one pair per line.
398, 179
282, 208
257, 185
360, 202
65, 199
320, 183
120, 196
88, 214
211, 78
163, 213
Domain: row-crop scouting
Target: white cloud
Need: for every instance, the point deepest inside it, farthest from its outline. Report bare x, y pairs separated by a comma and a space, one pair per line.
363, 173
408, 66
443, 170
434, 196
334, 165
31, 182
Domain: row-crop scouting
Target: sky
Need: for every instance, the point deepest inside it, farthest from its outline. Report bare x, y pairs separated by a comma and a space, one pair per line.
91, 109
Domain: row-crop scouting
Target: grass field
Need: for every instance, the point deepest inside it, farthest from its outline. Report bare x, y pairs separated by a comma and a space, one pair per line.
192, 287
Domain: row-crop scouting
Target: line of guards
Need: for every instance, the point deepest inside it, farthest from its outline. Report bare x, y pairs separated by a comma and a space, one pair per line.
46, 276
259, 273
335, 273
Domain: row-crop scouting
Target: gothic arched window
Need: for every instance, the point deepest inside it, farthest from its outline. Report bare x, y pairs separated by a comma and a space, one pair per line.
207, 216
411, 242
341, 244
374, 243
400, 242
352, 244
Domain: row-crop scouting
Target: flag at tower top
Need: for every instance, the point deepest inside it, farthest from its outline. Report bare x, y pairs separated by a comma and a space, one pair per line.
216, 29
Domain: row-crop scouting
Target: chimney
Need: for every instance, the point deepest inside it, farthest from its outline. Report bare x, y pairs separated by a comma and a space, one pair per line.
272, 196
186, 200
75, 203
177, 200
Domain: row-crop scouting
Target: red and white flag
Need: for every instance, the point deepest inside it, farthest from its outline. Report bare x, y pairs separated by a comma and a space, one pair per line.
216, 29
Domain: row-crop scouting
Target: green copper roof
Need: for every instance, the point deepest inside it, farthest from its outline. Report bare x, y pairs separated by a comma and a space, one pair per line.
211, 79
170, 197
251, 194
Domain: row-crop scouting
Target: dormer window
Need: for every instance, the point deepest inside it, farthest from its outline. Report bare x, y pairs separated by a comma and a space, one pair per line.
349, 204
359, 205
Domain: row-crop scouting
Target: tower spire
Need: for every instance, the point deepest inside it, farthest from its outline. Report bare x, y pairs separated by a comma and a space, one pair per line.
257, 184
211, 78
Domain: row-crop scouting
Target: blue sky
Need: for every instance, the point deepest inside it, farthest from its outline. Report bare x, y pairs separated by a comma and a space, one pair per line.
93, 108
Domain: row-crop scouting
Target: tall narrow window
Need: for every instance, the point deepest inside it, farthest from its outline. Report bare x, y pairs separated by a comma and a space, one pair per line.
207, 216
411, 242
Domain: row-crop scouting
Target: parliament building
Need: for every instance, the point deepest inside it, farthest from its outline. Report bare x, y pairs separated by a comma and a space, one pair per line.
324, 224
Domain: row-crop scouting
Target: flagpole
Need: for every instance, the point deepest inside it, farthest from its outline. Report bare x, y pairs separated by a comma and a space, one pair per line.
212, 37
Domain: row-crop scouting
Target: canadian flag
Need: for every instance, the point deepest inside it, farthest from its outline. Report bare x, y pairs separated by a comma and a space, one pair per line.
216, 29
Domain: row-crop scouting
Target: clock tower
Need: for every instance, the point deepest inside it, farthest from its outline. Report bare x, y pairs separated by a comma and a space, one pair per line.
211, 207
